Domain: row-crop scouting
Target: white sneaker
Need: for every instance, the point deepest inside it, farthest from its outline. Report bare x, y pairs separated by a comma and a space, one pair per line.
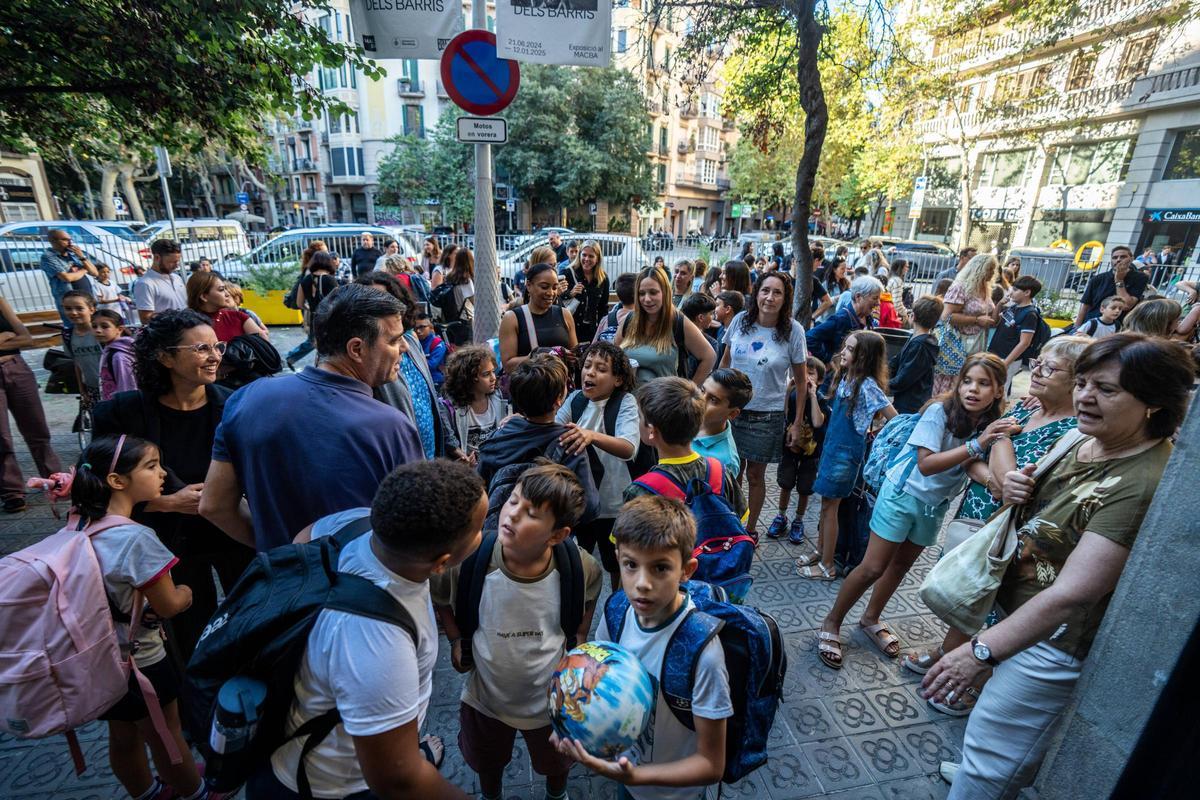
948, 769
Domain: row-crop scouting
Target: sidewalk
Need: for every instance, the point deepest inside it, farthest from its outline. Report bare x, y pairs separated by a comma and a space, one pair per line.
861, 732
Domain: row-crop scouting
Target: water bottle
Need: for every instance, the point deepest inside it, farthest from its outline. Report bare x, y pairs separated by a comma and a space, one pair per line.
239, 706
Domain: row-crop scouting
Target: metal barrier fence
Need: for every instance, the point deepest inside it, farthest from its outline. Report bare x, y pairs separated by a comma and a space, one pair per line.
257, 257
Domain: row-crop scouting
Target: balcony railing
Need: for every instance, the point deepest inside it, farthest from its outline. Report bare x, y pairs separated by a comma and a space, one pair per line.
664, 149
1029, 113
1093, 15
694, 177
1184, 78
303, 165
689, 111
409, 87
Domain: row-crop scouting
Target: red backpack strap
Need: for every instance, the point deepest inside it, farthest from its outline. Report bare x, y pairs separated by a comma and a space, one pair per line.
716, 475
659, 482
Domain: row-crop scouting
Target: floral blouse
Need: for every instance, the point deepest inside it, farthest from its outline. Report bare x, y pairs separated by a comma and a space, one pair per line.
975, 306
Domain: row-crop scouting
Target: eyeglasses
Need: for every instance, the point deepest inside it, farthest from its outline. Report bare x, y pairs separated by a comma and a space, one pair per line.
1043, 368
202, 350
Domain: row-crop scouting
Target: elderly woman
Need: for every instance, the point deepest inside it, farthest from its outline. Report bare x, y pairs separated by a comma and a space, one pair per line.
1044, 417
1077, 524
207, 294
968, 315
768, 345
178, 406
826, 339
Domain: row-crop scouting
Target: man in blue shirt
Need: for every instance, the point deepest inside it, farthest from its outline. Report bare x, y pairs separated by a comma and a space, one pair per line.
303, 446
66, 268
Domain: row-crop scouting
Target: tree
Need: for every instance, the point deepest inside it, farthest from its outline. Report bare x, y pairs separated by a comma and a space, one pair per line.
577, 135
765, 177
439, 169
141, 66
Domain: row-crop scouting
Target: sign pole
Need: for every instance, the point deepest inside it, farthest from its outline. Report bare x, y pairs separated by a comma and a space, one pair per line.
164, 172
487, 283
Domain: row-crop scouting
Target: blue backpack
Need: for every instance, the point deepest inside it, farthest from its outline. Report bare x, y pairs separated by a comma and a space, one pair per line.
888, 449
754, 657
723, 548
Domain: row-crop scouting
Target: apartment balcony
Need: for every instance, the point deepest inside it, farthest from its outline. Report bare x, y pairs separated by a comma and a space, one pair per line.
723, 184
689, 111
409, 87
274, 164
345, 180
1053, 109
1098, 16
304, 165
728, 124
683, 148
303, 124
695, 179
1166, 82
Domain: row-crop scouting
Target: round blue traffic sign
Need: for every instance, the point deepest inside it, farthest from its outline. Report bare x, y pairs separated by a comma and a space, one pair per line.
475, 78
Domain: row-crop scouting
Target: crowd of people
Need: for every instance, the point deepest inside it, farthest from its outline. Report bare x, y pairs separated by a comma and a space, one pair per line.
541, 436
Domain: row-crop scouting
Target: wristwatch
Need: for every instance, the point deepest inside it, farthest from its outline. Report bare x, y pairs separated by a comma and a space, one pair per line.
982, 652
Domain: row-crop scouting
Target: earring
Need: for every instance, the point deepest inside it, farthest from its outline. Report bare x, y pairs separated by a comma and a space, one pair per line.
1149, 413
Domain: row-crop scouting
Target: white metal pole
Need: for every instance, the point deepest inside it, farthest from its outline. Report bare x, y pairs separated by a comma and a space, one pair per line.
487, 285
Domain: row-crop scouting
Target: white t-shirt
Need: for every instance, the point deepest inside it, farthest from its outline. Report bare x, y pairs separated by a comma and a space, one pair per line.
157, 292
107, 295
766, 360
665, 738
616, 474
519, 639
368, 669
131, 557
931, 433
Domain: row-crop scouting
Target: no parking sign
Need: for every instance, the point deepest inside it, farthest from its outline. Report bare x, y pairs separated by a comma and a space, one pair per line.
477, 80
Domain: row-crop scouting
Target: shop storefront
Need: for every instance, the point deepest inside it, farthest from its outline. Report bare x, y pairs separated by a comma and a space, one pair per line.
1174, 228
1075, 226
992, 229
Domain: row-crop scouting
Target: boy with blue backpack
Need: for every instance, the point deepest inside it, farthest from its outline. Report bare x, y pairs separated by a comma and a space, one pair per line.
718, 667
672, 412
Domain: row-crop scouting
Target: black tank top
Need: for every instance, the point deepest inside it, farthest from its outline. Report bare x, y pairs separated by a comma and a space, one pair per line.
5, 327
550, 328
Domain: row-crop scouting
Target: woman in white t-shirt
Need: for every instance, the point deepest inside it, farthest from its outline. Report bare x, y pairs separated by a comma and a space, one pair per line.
769, 346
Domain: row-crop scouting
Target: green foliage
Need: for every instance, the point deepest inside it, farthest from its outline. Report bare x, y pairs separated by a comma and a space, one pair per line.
161, 71
439, 169
705, 254
577, 135
271, 277
618, 224
1055, 305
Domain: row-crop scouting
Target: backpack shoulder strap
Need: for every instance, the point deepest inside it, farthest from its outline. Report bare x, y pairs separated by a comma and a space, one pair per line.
715, 472
356, 595
681, 659
681, 351
612, 410
614, 614
579, 403
530, 327
351, 531
658, 481
570, 569
470, 588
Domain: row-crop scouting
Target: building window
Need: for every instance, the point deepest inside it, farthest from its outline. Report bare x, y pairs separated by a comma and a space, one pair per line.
1095, 162
358, 151
622, 40
708, 170
662, 178
414, 121
944, 173
1184, 163
1083, 71
709, 139
663, 133
1004, 170
338, 156
1136, 57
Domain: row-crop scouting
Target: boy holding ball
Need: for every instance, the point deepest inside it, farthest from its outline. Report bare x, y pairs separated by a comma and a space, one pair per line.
655, 537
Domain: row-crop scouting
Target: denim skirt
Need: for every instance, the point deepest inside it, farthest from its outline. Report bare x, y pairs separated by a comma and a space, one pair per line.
759, 435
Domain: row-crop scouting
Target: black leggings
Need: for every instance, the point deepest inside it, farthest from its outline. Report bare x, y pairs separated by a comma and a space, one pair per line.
196, 572
596, 535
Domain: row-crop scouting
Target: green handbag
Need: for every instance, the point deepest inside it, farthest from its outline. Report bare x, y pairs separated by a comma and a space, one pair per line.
961, 588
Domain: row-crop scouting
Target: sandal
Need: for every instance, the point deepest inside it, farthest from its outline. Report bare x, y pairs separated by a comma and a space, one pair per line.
808, 558
960, 707
883, 638
829, 648
817, 572
923, 662
433, 750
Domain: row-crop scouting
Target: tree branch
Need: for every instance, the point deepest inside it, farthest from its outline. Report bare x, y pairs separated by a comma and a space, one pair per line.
108, 87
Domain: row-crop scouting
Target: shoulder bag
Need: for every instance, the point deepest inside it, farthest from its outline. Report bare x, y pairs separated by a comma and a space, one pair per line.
961, 588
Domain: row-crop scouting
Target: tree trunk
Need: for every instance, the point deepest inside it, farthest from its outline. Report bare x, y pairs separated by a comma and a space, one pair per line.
964, 189
206, 189
245, 171
130, 191
78, 169
816, 121
108, 186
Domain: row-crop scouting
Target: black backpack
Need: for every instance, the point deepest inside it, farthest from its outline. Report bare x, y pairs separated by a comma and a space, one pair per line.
247, 358
1041, 335
260, 630
473, 573
442, 298
643, 460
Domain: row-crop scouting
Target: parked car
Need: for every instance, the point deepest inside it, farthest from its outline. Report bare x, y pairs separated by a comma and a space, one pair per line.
895, 245
285, 248
109, 240
620, 253
24, 284
200, 238
658, 240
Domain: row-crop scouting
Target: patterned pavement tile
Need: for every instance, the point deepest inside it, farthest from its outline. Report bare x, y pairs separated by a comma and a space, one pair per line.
811, 720
927, 787
885, 756
854, 713
929, 744
837, 764
789, 776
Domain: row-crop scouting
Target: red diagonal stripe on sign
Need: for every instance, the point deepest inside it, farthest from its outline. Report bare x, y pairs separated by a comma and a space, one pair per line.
483, 76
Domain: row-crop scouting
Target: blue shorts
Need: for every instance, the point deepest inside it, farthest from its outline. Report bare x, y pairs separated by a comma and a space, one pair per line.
900, 517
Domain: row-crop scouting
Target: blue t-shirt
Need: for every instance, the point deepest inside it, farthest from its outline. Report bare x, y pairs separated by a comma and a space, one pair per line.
308, 445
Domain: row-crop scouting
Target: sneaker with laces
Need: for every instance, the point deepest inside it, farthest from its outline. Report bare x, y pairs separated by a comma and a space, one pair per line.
778, 526
796, 534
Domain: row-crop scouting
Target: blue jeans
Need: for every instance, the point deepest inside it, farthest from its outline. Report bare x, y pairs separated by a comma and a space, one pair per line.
301, 350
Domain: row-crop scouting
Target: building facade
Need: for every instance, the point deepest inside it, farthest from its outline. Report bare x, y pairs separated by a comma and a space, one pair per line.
329, 165
24, 190
1092, 140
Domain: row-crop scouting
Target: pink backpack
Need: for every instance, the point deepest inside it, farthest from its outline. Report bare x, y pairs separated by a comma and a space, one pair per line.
61, 664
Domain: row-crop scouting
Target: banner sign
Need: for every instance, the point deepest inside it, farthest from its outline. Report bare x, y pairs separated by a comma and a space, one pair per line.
405, 28
577, 32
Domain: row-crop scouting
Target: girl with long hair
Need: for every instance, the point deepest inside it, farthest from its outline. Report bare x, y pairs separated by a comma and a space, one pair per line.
658, 337
954, 431
968, 315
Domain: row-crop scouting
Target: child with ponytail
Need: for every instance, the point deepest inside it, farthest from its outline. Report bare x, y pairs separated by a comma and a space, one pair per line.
114, 475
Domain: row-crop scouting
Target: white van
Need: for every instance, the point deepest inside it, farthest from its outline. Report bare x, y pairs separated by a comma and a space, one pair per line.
213, 239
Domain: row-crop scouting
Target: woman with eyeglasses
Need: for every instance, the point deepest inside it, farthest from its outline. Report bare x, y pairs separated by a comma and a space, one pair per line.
208, 294
178, 406
1045, 417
